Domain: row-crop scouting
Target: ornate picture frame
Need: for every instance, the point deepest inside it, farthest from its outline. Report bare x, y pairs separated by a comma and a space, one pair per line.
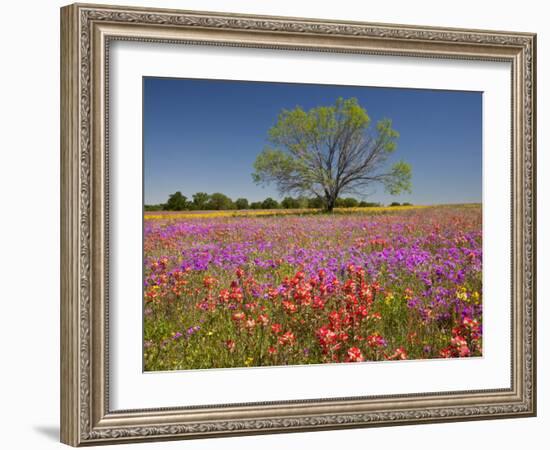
87, 31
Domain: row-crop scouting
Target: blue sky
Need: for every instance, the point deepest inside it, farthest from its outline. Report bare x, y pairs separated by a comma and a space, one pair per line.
204, 135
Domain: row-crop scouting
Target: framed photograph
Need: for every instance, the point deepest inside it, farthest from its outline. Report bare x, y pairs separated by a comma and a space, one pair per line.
276, 224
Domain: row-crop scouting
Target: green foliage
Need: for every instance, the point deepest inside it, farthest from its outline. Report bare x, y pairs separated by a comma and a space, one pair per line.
256, 205
298, 203
388, 134
241, 203
219, 201
302, 202
200, 200
399, 179
330, 150
274, 162
158, 207
315, 202
348, 202
290, 203
269, 203
176, 202
395, 204
364, 204
318, 203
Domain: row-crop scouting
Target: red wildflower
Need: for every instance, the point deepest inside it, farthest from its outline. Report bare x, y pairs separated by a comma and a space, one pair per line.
354, 355
366, 294
351, 300
209, 281
287, 338
412, 337
399, 353
263, 319
350, 286
334, 318
250, 323
460, 346
272, 293
224, 296
328, 339
318, 303
238, 316
343, 336
300, 275
361, 311
375, 340
302, 294
289, 307
152, 294
236, 294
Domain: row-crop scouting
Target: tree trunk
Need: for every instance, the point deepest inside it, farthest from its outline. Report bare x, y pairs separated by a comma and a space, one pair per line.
330, 204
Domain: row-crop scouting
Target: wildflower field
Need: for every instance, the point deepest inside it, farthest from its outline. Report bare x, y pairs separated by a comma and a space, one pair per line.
262, 289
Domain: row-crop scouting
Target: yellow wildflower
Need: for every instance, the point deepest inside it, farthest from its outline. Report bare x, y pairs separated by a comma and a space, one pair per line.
248, 362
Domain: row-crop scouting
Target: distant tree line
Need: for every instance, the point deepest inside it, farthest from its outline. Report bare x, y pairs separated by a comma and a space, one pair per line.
201, 201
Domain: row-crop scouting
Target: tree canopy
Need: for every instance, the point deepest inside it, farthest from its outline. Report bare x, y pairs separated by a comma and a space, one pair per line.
219, 201
241, 203
331, 150
176, 202
200, 200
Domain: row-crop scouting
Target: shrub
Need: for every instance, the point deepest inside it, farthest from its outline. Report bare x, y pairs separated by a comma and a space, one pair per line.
364, 204
176, 202
241, 203
269, 203
290, 203
256, 205
219, 201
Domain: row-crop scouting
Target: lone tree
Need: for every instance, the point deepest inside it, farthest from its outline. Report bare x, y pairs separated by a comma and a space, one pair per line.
330, 150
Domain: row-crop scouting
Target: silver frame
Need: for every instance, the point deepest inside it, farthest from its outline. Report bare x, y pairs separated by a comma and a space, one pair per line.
86, 33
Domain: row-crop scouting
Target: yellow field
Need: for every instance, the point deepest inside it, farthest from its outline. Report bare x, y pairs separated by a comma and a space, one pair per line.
271, 212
